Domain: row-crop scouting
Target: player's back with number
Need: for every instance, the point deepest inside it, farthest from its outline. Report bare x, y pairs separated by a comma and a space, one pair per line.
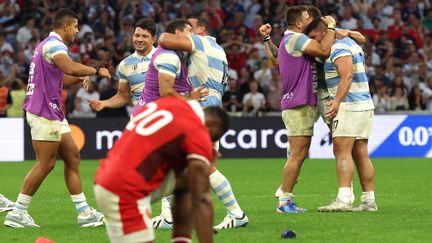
164, 134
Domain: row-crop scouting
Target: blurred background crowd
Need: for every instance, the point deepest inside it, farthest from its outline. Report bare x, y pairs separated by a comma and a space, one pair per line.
398, 51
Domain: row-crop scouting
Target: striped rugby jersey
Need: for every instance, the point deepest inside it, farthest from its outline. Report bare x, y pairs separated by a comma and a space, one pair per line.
133, 70
358, 97
208, 66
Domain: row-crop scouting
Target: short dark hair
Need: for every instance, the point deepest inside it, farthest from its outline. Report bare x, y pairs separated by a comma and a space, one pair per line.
177, 24
202, 23
146, 24
63, 16
314, 12
317, 23
220, 115
293, 14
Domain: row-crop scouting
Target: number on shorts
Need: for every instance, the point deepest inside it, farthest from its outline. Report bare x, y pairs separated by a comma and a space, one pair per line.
335, 124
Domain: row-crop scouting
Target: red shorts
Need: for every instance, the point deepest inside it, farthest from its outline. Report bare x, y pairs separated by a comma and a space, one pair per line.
126, 219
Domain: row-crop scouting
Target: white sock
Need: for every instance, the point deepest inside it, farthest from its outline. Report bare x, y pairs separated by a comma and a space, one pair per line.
166, 208
284, 197
224, 192
368, 197
22, 203
344, 194
80, 202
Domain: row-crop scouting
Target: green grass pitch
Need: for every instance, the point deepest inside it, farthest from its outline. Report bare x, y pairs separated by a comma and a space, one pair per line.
403, 191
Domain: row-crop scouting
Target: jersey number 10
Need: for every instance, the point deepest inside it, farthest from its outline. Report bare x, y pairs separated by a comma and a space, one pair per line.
150, 120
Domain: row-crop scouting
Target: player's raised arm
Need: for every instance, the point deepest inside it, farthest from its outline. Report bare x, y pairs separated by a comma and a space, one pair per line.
175, 42
271, 49
199, 188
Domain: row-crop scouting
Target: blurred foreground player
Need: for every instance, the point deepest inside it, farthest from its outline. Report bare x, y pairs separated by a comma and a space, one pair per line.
175, 139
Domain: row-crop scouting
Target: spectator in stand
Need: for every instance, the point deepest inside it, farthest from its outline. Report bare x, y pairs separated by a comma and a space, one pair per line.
427, 21
348, 22
421, 76
82, 109
264, 75
254, 102
427, 94
25, 33
274, 95
4, 45
237, 54
17, 95
87, 44
395, 30
399, 100
254, 60
380, 75
415, 99
232, 99
398, 83
21, 67
382, 100
28, 52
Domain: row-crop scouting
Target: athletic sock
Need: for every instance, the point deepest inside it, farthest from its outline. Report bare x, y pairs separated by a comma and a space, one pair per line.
344, 194
368, 197
80, 203
224, 192
22, 203
284, 197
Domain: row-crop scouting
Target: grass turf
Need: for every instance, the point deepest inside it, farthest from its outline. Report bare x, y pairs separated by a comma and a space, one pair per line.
403, 192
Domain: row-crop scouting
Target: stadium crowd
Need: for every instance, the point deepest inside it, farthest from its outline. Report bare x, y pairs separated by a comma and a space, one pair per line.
398, 51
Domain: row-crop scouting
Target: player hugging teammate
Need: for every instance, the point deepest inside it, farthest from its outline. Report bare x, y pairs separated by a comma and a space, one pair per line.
344, 102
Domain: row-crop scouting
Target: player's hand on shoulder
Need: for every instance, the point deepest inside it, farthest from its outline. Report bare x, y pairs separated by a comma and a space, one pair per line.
96, 105
265, 30
103, 72
340, 34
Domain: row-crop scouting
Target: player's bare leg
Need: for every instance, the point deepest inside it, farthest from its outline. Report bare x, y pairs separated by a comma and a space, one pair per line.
46, 152
299, 147
365, 171
342, 148
71, 157
182, 212
87, 217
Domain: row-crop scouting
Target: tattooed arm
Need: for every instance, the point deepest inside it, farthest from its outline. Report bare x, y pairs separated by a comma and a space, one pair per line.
271, 49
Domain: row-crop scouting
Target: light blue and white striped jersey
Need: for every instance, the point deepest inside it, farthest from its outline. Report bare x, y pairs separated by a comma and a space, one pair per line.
208, 66
133, 70
53, 47
358, 97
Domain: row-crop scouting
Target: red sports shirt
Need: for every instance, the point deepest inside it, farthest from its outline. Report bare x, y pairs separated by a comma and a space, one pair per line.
161, 137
